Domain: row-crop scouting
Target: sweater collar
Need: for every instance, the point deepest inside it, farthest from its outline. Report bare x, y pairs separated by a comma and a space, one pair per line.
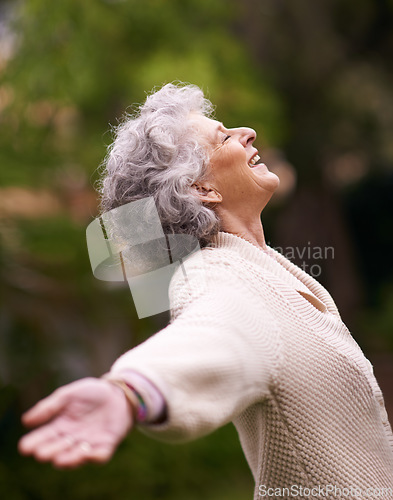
269, 259
274, 262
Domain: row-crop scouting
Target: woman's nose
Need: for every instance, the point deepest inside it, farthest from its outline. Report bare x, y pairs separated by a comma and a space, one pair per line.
246, 135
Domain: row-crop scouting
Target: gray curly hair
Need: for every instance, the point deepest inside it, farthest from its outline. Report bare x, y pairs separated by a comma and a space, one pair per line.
156, 153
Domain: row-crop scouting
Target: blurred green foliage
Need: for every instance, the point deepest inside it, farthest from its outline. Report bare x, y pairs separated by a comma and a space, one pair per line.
313, 78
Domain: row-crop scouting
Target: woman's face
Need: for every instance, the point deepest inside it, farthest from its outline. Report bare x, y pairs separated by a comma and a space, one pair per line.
234, 171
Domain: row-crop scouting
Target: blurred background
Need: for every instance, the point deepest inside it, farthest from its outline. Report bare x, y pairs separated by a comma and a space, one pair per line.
314, 79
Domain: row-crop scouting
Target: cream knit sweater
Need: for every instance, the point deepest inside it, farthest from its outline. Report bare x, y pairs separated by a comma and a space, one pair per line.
255, 340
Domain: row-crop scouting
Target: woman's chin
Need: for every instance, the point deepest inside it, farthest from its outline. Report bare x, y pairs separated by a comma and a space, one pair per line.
275, 180
268, 179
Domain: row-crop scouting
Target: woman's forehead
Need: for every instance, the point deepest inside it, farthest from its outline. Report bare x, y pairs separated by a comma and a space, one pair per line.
207, 127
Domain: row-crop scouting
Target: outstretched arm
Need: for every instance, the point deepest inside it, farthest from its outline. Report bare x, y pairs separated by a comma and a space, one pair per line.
220, 354
217, 358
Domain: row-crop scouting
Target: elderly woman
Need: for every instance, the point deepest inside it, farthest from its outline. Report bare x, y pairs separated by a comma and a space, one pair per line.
252, 339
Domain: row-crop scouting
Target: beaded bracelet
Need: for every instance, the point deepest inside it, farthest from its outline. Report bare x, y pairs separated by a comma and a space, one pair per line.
138, 406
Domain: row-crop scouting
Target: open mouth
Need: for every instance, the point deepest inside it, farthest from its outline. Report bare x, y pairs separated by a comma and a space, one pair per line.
254, 161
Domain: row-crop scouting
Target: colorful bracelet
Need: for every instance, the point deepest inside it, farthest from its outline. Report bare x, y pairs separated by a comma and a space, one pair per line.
141, 408
138, 406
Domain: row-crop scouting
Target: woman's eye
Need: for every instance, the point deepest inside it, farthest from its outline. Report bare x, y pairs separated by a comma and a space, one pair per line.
226, 138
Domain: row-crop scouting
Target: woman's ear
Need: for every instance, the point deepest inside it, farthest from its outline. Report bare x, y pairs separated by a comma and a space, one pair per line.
207, 194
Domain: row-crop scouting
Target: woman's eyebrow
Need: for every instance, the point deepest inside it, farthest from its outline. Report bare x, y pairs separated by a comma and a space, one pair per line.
220, 128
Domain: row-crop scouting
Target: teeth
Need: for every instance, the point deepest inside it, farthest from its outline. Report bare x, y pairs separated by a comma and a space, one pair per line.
254, 160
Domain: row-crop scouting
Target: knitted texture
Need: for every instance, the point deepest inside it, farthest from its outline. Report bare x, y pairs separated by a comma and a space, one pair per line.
255, 340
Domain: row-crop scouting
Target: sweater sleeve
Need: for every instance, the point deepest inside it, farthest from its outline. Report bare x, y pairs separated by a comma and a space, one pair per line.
218, 355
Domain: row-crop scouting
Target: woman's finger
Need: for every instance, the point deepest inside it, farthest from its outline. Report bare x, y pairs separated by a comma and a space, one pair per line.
72, 457
48, 450
31, 441
101, 453
81, 452
45, 409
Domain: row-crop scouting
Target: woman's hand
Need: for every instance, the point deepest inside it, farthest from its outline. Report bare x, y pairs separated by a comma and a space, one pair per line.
81, 422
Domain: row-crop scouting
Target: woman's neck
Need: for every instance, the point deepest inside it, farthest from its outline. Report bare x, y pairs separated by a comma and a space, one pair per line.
250, 229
